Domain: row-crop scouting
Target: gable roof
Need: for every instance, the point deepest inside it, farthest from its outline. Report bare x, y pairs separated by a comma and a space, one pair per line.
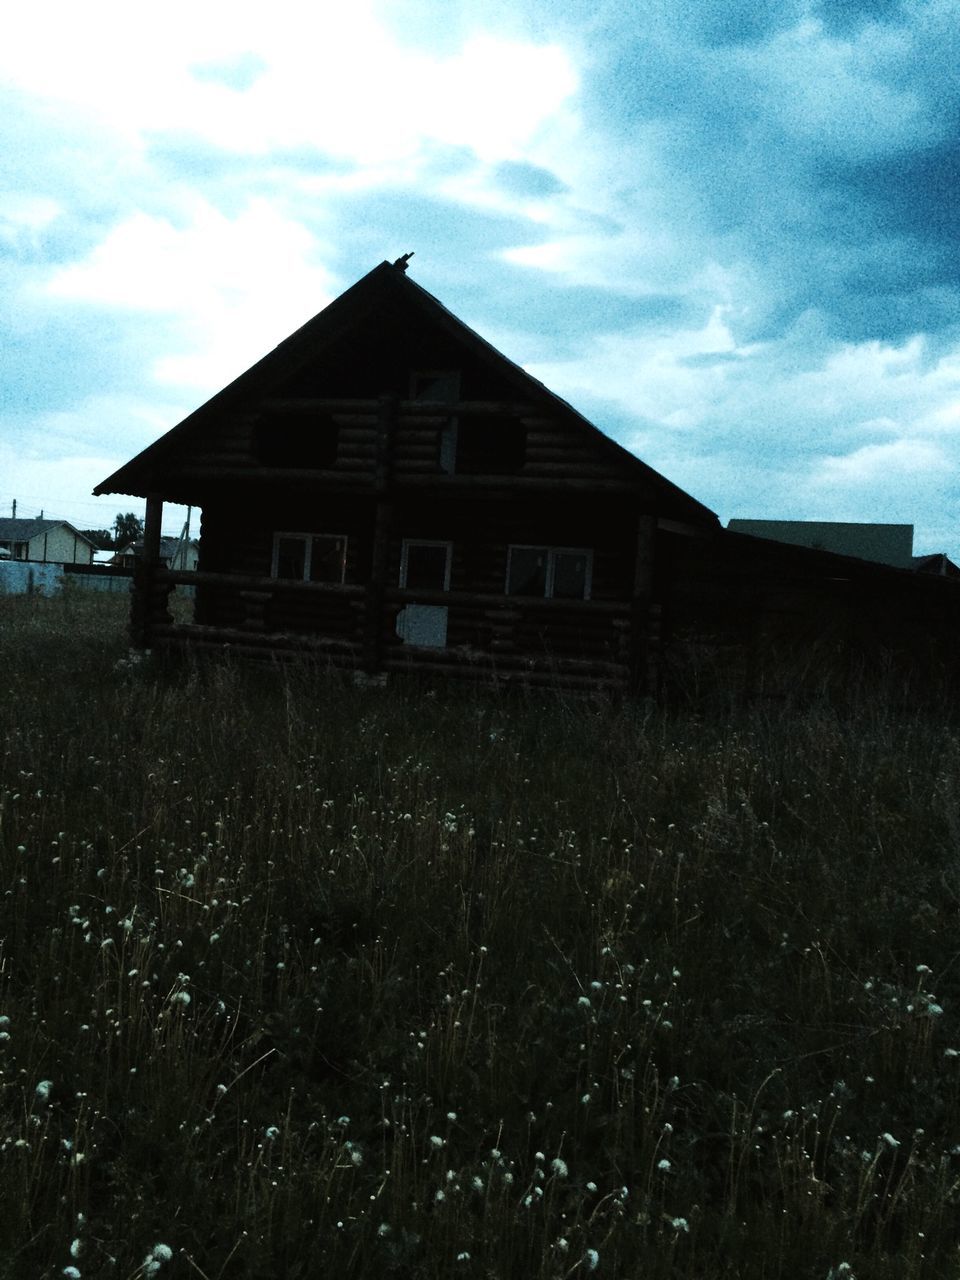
20, 530
386, 283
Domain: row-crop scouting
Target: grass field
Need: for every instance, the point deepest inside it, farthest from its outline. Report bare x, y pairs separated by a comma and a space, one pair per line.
301, 980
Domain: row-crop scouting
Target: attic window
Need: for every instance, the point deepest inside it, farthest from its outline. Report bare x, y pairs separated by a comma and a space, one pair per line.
284, 440
440, 386
490, 446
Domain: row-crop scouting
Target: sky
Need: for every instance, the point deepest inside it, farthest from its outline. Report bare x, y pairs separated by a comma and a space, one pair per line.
727, 233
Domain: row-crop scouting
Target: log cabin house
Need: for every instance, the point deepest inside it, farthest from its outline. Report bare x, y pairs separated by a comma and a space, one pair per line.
386, 490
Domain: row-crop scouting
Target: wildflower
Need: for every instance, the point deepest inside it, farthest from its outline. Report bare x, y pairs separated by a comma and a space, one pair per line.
680, 1224
591, 1258
463, 1257
664, 1166
4, 1020
271, 1132
72, 1273
559, 1167
43, 1089
584, 1002
451, 1116
890, 1140
76, 1248
383, 1229
477, 1183
181, 998
436, 1141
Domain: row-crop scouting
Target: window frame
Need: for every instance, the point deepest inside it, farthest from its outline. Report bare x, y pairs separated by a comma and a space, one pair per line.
552, 553
405, 546
307, 538
447, 437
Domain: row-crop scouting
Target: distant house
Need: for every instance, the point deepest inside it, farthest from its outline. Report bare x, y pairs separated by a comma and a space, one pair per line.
174, 553
883, 543
46, 541
938, 564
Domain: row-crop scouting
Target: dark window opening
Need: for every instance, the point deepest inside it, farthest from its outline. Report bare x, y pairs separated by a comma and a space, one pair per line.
425, 566
284, 441
305, 557
490, 446
557, 573
440, 386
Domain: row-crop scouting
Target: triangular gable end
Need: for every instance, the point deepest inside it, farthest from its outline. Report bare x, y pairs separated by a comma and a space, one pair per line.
365, 343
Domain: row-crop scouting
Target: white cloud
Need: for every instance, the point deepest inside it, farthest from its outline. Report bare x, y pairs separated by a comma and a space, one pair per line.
238, 286
332, 78
893, 462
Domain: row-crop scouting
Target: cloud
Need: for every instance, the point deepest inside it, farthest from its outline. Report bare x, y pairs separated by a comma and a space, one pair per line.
237, 286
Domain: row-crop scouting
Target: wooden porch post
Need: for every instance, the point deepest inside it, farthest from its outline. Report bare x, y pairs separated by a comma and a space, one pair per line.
145, 605
382, 527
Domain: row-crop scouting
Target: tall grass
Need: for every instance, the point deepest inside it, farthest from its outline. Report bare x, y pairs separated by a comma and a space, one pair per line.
299, 979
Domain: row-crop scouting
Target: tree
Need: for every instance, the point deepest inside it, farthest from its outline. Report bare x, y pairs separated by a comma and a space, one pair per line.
102, 539
127, 528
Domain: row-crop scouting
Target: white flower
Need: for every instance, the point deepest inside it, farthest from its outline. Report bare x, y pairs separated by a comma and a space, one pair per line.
43, 1089
889, 1139
664, 1166
559, 1167
271, 1132
591, 1258
72, 1273
436, 1141
679, 1224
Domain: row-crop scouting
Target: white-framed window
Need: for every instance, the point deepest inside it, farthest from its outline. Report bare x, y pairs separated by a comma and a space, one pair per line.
425, 565
309, 557
557, 573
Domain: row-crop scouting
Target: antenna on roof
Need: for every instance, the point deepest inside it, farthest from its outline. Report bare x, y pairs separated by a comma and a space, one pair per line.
402, 261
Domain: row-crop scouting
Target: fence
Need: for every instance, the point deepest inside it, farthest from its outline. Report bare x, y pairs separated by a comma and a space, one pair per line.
28, 578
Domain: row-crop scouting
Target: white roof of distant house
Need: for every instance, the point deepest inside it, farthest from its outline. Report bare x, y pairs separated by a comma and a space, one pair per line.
884, 543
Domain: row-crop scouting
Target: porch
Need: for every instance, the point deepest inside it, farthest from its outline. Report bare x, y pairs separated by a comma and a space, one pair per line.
531, 640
